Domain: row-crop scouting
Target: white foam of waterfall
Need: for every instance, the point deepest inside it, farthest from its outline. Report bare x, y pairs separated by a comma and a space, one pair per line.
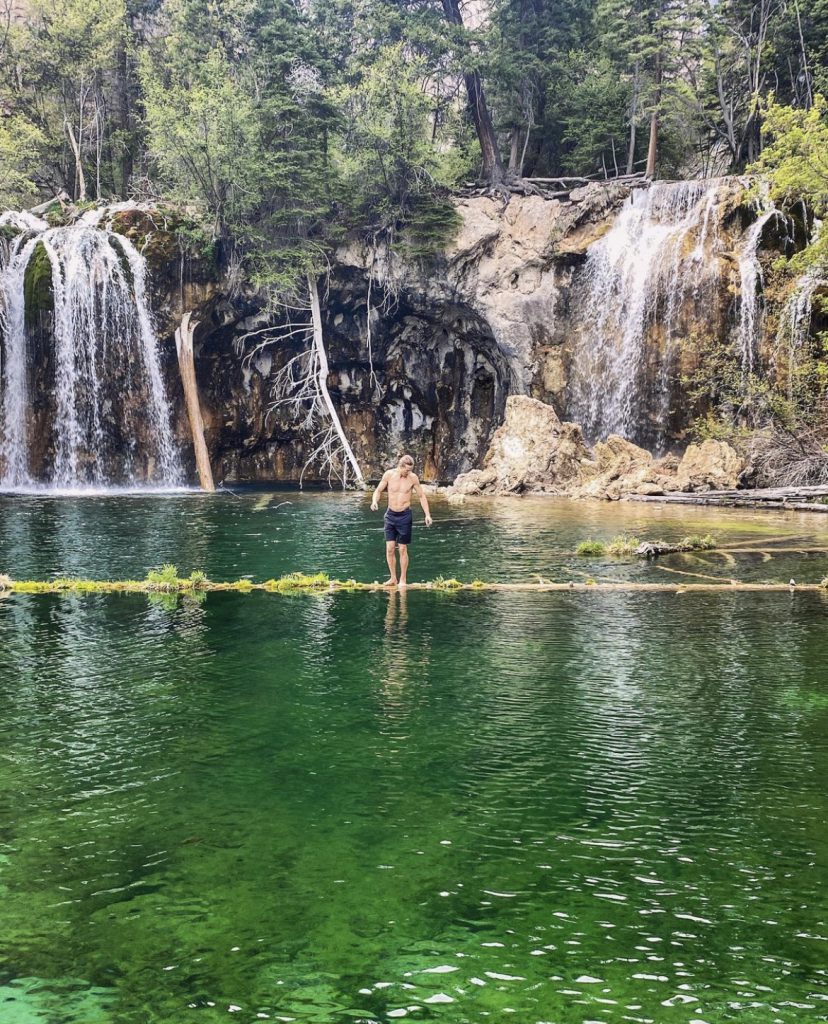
795, 320
751, 281
108, 385
639, 274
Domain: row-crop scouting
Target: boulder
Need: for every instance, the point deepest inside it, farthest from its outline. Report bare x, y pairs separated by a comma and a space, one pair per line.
476, 481
710, 466
618, 467
531, 451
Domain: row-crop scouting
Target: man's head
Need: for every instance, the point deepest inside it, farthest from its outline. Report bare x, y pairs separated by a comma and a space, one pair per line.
405, 465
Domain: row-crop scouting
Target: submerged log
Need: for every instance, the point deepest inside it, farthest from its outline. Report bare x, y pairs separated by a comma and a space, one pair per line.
796, 499
652, 549
186, 363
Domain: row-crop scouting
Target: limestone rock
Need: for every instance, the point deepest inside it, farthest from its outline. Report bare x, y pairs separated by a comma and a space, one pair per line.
531, 451
712, 465
619, 467
476, 481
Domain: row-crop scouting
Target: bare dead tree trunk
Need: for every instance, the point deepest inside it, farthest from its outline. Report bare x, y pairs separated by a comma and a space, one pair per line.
122, 82
514, 142
633, 119
493, 169
186, 364
806, 71
322, 379
652, 149
80, 178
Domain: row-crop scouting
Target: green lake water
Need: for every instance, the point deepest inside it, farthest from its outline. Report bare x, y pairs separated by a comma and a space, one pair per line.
559, 807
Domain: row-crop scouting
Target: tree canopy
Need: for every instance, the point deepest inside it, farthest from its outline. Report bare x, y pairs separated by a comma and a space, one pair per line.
289, 122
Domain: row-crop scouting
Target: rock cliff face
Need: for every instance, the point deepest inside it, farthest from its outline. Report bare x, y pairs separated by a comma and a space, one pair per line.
600, 306
596, 306
448, 342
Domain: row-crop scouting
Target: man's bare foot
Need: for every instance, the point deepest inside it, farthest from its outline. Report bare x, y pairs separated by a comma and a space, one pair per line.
402, 584
390, 582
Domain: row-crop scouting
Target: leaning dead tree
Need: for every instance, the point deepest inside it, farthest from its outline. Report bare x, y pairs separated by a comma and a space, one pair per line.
186, 363
300, 386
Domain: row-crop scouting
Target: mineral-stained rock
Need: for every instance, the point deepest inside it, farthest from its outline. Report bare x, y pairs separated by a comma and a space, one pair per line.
712, 465
476, 481
618, 467
531, 451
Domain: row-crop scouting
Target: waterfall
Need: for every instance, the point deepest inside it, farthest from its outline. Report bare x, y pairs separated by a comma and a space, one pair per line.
637, 279
751, 283
107, 415
795, 319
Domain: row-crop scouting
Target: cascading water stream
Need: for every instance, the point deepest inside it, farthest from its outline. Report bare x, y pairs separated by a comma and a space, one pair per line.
637, 279
796, 319
751, 283
110, 417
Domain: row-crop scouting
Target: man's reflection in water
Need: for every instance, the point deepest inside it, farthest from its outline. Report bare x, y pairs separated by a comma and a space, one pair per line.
396, 617
395, 664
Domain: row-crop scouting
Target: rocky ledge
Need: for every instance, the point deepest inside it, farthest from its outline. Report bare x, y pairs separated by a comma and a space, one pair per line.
534, 452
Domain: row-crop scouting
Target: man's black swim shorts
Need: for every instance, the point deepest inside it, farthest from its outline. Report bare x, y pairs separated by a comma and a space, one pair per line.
398, 526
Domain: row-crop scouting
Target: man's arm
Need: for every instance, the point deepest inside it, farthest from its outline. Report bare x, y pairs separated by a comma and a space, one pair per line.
423, 501
380, 488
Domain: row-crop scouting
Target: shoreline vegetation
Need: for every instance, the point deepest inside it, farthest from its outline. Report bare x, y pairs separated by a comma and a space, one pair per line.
167, 581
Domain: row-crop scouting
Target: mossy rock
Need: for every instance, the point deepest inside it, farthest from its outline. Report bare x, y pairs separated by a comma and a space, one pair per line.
161, 235
37, 286
56, 215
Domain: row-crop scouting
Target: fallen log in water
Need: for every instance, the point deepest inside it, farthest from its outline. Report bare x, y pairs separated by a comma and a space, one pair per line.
298, 583
794, 499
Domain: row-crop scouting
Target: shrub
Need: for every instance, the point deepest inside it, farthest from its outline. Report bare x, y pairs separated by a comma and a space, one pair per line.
589, 548
622, 545
165, 578
441, 583
697, 542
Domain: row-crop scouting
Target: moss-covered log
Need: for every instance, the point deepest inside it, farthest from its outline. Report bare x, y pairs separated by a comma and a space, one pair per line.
167, 581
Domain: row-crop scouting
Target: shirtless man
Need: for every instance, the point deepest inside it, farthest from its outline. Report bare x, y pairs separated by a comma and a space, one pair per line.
401, 483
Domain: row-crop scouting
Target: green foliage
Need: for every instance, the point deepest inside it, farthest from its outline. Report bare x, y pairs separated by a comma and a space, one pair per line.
165, 578
591, 548
285, 126
795, 158
623, 544
698, 542
295, 581
442, 583
732, 404
21, 147
391, 177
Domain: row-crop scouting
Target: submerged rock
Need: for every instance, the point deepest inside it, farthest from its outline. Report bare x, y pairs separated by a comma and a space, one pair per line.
531, 451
